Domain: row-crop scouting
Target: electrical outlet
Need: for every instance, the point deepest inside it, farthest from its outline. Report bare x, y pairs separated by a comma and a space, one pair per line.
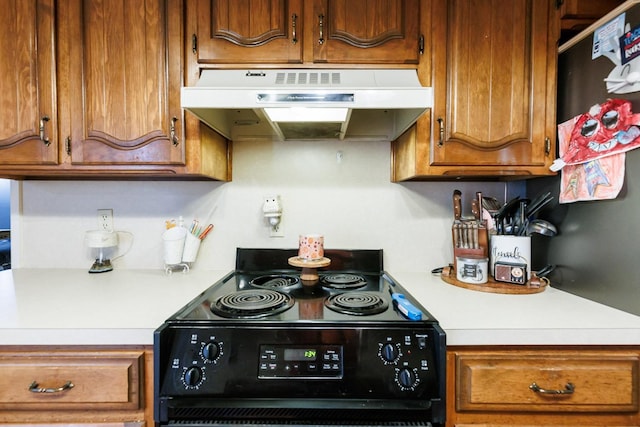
105, 219
277, 231
272, 210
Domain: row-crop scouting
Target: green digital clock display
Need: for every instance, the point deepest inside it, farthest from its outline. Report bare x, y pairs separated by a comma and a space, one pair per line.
300, 354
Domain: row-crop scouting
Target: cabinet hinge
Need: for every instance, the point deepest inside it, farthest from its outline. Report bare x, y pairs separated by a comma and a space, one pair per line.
67, 145
547, 146
421, 44
194, 44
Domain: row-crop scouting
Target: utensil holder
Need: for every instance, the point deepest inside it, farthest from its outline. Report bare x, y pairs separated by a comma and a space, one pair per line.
191, 247
173, 248
513, 255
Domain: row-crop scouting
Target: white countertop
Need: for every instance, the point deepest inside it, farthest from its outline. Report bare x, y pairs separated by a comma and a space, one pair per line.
124, 307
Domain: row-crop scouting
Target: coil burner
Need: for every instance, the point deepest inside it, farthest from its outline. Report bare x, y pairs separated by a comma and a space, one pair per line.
356, 303
275, 281
252, 303
343, 281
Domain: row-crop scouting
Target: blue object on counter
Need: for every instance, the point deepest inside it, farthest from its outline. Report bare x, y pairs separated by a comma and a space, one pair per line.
409, 310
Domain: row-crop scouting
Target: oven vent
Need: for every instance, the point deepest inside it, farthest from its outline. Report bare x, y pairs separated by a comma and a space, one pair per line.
202, 417
323, 78
297, 423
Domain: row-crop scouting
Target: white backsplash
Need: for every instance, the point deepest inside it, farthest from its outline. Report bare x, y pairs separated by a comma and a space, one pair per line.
341, 190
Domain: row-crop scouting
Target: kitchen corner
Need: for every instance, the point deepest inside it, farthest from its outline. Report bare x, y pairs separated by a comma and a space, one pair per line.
124, 307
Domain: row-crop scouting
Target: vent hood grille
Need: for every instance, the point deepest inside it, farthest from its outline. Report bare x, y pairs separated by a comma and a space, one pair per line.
299, 104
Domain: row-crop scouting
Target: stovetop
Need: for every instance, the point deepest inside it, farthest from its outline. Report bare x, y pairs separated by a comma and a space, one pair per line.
265, 288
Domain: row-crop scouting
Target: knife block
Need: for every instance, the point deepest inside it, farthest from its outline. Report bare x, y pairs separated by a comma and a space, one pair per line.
462, 245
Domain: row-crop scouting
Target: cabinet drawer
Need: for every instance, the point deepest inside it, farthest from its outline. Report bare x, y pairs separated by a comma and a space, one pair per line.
503, 382
100, 380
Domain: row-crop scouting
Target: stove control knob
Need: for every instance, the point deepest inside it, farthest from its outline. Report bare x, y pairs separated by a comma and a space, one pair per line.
390, 353
407, 379
210, 351
193, 377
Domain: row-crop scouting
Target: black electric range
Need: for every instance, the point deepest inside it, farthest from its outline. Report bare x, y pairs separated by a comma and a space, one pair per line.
262, 346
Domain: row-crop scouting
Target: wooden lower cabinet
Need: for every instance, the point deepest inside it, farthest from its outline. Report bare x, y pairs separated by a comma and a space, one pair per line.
543, 386
76, 385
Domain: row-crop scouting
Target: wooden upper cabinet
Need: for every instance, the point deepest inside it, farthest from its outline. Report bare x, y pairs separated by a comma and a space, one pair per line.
576, 15
493, 103
27, 83
248, 31
121, 98
493, 70
366, 31
296, 32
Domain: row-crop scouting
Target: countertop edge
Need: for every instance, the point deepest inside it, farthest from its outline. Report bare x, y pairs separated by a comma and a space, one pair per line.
31, 302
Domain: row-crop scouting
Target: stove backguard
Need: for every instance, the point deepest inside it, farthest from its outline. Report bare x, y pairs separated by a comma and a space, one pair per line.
357, 260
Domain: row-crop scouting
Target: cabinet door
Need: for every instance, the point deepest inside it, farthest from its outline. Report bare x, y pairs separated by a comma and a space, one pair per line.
122, 93
366, 31
494, 101
248, 31
27, 83
543, 386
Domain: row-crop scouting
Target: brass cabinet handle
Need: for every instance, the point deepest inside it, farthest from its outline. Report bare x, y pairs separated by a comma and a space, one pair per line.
321, 25
35, 389
294, 37
43, 136
568, 389
441, 131
172, 129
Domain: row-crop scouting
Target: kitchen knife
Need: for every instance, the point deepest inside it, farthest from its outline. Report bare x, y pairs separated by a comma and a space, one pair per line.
476, 206
457, 205
474, 235
457, 215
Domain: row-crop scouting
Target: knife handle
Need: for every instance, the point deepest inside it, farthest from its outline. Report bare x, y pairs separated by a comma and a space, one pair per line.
475, 209
457, 205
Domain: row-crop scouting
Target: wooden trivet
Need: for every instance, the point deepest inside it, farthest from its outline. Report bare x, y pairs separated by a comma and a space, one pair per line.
309, 267
533, 286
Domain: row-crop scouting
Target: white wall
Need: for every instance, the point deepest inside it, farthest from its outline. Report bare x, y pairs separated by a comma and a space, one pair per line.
352, 202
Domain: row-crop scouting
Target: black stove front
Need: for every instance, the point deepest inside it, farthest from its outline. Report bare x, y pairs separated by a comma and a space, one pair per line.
264, 347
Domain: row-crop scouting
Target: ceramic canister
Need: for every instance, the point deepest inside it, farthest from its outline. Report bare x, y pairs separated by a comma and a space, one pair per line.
311, 247
472, 269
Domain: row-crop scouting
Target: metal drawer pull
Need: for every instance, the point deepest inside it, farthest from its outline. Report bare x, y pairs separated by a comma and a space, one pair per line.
568, 389
35, 389
43, 137
321, 26
441, 131
172, 130
294, 37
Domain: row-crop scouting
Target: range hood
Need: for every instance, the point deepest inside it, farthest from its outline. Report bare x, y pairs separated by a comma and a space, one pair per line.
359, 104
